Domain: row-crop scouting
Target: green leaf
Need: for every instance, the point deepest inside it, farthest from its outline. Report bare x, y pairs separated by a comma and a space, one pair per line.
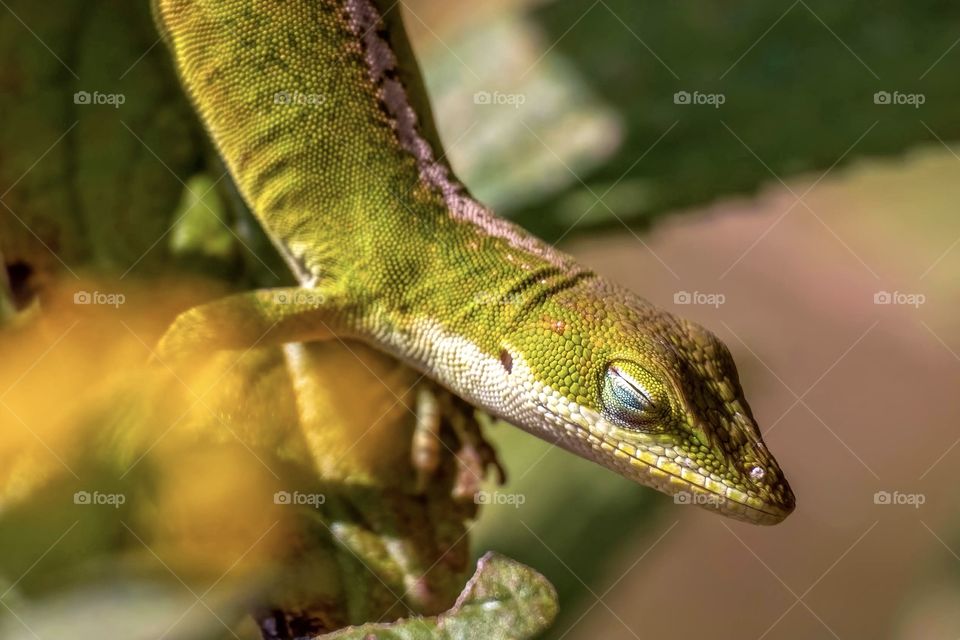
503, 599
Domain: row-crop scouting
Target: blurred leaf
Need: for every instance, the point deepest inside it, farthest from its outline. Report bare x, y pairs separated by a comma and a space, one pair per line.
112, 470
516, 125
97, 137
587, 91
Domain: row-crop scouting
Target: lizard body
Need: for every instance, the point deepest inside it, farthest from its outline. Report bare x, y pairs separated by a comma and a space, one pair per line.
318, 110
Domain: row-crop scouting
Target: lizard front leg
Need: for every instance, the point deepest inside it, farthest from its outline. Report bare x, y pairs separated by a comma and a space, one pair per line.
260, 318
272, 317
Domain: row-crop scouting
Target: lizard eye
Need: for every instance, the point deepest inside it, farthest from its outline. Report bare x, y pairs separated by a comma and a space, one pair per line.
631, 397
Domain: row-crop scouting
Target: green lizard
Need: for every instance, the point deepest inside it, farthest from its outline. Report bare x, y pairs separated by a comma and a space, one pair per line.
318, 109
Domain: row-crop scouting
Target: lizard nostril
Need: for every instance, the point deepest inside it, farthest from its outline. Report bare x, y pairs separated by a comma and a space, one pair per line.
757, 473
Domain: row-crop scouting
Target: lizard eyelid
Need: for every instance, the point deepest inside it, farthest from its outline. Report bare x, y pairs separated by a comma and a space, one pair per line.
627, 389
627, 402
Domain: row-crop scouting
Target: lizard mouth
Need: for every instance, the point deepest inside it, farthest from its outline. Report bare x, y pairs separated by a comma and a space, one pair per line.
685, 484
728, 501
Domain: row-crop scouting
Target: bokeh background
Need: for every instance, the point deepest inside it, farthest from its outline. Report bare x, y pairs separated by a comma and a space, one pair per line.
785, 173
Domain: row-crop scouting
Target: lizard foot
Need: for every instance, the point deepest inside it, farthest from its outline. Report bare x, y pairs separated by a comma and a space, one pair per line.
474, 455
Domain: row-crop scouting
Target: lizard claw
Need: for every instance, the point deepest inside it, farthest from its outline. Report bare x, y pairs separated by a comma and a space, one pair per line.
474, 455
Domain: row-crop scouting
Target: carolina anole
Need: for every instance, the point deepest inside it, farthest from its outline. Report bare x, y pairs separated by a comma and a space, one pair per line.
319, 112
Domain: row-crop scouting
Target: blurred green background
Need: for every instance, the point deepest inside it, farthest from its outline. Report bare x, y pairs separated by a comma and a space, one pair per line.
798, 159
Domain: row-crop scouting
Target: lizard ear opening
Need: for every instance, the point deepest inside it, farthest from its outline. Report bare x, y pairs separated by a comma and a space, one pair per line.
632, 398
506, 360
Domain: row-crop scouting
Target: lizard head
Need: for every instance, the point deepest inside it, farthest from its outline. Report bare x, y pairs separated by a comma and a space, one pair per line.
653, 396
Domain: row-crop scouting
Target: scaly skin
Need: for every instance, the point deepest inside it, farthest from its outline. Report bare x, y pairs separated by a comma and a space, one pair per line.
318, 109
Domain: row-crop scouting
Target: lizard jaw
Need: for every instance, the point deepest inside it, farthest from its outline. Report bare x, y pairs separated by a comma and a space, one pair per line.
589, 435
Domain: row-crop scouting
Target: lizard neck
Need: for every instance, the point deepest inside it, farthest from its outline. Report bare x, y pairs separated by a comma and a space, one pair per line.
431, 246
458, 254
410, 121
